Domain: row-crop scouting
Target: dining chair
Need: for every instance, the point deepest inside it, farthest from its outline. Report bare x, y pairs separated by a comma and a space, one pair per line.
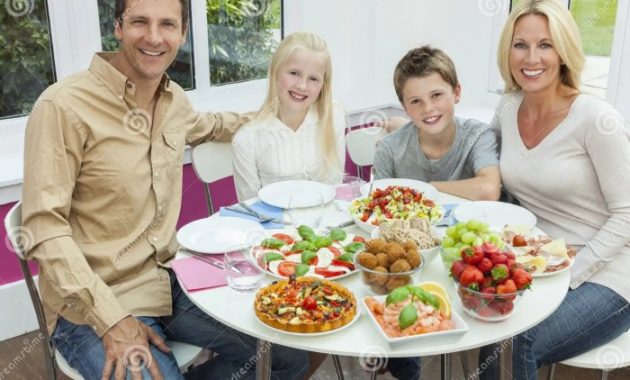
361, 146
607, 357
185, 354
212, 161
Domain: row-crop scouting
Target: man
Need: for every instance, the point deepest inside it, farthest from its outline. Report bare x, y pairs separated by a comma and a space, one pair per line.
102, 193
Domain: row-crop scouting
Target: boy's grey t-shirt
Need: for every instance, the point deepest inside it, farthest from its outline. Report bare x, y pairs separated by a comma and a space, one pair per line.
400, 155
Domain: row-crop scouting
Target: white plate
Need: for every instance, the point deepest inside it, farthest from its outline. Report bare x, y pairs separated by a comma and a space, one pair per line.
547, 274
496, 214
460, 328
428, 189
356, 317
278, 193
218, 234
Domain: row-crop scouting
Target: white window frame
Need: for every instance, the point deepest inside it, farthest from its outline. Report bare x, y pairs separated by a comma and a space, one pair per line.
618, 90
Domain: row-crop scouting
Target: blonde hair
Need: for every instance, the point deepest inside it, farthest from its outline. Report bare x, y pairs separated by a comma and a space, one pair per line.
330, 170
564, 34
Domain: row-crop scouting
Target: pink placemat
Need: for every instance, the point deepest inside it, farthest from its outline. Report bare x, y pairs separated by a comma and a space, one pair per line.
196, 274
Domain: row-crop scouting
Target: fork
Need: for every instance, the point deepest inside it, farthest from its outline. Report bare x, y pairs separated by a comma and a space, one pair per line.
204, 258
261, 217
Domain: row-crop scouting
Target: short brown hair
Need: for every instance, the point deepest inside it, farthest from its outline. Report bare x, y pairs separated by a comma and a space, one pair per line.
121, 6
422, 62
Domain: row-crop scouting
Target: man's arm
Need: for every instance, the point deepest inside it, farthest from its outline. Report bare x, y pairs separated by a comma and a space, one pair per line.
220, 126
484, 186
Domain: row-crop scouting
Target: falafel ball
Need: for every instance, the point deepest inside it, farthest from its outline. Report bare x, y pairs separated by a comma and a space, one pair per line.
375, 245
367, 260
383, 259
393, 248
410, 245
377, 278
400, 266
413, 258
397, 282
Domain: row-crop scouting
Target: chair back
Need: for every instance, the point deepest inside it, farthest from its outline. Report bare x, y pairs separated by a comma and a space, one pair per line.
212, 161
361, 145
16, 235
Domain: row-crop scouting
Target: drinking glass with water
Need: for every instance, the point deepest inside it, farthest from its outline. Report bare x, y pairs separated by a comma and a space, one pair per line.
241, 272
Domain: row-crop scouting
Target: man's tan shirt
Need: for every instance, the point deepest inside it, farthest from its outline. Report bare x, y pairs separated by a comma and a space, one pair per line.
102, 193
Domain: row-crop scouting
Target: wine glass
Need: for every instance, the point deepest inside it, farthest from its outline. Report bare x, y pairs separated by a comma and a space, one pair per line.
306, 207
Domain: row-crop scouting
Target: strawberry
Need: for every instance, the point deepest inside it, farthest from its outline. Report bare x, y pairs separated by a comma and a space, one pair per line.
500, 272
502, 307
498, 258
489, 248
487, 282
522, 278
485, 265
510, 255
472, 255
470, 301
471, 276
487, 312
457, 268
519, 241
507, 287
489, 293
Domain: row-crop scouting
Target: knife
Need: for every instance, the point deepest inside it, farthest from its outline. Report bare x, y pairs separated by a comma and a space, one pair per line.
244, 212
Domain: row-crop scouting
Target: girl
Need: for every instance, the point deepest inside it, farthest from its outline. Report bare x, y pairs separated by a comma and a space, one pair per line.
299, 131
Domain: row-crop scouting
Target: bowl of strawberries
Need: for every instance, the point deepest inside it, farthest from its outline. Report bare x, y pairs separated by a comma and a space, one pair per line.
489, 282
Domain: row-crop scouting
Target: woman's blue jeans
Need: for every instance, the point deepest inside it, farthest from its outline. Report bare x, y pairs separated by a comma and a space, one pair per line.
589, 316
236, 352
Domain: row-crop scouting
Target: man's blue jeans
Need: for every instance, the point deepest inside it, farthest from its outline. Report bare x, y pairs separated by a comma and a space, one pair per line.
589, 316
236, 352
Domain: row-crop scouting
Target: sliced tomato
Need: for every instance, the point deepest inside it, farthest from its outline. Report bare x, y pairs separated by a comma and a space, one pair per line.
284, 237
328, 273
342, 263
309, 303
287, 268
335, 251
359, 239
314, 261
327, 290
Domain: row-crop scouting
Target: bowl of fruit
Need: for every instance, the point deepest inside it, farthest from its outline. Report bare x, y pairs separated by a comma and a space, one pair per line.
465, 235
489, 282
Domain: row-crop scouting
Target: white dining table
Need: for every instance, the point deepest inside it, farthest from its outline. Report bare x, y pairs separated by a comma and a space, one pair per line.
361, 339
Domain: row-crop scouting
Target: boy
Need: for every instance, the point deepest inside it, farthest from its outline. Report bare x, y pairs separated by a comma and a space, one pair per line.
457, 156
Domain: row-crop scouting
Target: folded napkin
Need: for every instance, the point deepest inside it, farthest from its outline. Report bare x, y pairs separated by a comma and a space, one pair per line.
262, 208
449, 218
196, 274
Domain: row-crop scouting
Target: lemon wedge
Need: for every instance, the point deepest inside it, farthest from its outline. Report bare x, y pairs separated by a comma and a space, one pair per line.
538, 262
440, 293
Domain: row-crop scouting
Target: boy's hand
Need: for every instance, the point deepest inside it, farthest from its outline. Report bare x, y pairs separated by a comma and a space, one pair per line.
127, 346
392, 124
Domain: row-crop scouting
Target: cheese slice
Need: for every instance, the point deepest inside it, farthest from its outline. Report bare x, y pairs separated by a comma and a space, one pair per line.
538, 262
557, 248
518, 229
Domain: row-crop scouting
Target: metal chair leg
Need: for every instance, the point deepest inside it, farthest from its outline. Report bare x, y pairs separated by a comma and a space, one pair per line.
552, 371
447, 372
465, 368
206, 192
338, 368
604, 375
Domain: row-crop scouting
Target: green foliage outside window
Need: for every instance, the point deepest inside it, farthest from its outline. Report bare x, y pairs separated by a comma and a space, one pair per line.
242, 36
26, 63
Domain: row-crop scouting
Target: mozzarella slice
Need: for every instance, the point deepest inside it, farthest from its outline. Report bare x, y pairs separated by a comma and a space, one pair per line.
273, 266
324, 257
296, 258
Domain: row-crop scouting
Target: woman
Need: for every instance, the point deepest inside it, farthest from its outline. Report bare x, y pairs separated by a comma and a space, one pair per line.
565, 156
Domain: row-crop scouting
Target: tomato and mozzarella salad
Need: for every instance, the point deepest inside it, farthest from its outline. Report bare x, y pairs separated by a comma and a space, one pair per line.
304, 253
395, 202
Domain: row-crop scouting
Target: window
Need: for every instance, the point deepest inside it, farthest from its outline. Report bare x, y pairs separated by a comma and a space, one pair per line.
26, 57
242, 36
181, 71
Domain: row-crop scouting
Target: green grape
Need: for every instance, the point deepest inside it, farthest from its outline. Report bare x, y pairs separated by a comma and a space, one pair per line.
460, 225
448, 242
464, 246
468, 237
484, 227
486, 238
473, 225
495, 239
452, 232
477, 242
462, 232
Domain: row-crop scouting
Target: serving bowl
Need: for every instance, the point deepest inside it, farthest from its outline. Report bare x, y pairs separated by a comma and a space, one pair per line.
487, 307
378, 282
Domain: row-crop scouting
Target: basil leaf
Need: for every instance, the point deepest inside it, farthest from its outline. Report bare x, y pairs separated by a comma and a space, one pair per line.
306, 233
272, 243
301, 269
322, 241
354, 247
308, 256
408, 316
303, 245
273, 256
397, 295
346, 257
424, 296
338, 234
